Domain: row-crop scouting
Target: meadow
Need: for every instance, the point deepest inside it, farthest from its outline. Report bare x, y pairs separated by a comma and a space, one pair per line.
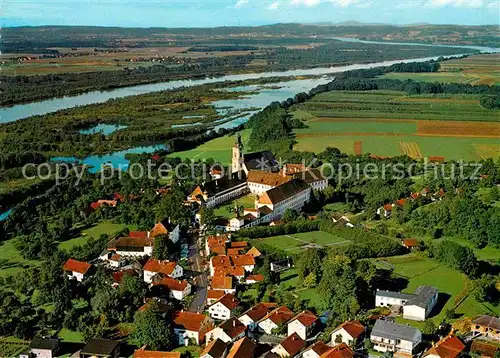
454, 287
296, 243
390, 123
476, 70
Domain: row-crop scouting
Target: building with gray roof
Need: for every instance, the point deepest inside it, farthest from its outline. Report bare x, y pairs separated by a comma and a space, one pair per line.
394, 337
415, 306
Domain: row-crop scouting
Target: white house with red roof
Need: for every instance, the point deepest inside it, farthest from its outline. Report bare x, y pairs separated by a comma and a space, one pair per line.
76, 270
228, 331
290, 346
162, 268
303, 324
251, 317
224, 308
178, 289
316, 350
274, 319
348, 332
189, 326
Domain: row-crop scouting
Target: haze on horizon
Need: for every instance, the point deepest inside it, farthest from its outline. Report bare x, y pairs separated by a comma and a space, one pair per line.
213, 13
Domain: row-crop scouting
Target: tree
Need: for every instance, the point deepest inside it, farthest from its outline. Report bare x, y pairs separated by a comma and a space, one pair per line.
309, 261
429, 327
484, 289
290, 215
152, 330
162, 247
367, 343
310, 281
207, 217
338, 338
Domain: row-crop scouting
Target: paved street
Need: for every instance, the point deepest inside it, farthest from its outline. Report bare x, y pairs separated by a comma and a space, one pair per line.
199, 276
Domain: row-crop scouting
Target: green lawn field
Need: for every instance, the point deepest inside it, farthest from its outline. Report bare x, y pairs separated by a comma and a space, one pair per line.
219, 149
104, 227
226, 210
452, 286
385, 123
289, 280
11, 261
296, 243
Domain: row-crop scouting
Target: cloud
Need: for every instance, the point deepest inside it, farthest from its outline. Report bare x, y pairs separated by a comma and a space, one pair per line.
493, 5
341, 3
456, 3
240, 3
274, 6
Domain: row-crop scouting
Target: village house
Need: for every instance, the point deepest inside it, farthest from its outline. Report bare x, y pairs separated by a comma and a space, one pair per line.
228, 331
409, 244
254, 252
290, 346
190, 327
251, 279
348, 332
216, 245
143, 353
341, 350
303, 324
132, 246
224, 308
385, 211
274, 319
163, 269
223, 261
342, 220
316, 350
244, 348
116, 261
224, 284
393, 337
166, 228
251, 317
415, 306
214, 295
487, 326
102, 348
42, 348
237, 272
215, 349
447, 347
76, 270
176, 288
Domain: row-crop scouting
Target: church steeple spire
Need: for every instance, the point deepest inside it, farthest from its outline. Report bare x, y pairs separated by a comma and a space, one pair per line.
237, 159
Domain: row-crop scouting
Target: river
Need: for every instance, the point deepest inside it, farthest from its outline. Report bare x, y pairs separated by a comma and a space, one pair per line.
9, 114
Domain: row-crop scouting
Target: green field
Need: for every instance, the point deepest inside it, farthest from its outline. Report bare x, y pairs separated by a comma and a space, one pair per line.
219, 149
289, 280
226, 210
452, 285
96, 231
296, 243
476, 70
389, 123
11, 261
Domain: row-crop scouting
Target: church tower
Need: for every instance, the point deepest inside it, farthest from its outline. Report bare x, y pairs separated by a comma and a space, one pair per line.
237, 159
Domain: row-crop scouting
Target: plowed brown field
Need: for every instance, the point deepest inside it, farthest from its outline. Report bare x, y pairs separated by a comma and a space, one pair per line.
458, 129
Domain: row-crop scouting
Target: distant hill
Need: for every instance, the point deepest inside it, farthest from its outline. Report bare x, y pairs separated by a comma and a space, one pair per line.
361, 24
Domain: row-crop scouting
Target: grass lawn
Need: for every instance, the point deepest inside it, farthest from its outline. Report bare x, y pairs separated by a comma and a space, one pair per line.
247, 201
290, 281
11, 261
104, 227
70, 336
193, 350
218, 149
452, 286
296, 243
487, 253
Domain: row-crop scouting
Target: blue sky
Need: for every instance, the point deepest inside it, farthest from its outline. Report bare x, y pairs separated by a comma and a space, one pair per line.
209, 13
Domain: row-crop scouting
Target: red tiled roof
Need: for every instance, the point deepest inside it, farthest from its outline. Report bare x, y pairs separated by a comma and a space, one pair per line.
215, 349
239, 244
307, 318
115, 257
164, 267
76, 266
236, 251
138, 234
267, 178
135, 242
229, 271
228, 301
221, 261
189, 320
401, 202
243, 260
158, 229
172, 284
257, 277
280, 315
483, 348
410, 242
387, 207
232, 327
243, 348
339, 351
142, 353
448, 347
254, 252
260, 310
283, 192
293, 344
214, 294
354, 328
216, 240
415, 195
218, 249
319, 348
222, 283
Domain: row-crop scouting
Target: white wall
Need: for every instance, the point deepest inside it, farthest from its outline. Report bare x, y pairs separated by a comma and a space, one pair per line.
219, 311
346, 337
297, 327
267, 326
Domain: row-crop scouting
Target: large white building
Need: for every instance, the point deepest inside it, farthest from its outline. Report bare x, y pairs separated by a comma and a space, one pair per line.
416, 306
393, 337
